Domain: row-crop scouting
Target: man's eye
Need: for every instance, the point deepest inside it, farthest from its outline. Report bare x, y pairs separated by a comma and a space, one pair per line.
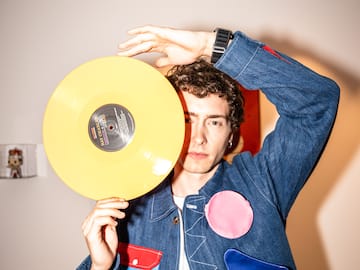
216, 123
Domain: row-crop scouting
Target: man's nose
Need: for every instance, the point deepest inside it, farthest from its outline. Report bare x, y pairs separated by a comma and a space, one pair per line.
198, 133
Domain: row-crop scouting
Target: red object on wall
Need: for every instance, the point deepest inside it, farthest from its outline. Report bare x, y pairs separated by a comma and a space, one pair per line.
250, 128
248, 138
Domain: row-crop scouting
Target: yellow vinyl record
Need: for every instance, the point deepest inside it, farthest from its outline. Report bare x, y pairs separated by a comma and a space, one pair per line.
114, 127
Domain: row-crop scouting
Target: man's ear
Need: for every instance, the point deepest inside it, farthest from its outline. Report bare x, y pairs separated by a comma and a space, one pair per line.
235, 147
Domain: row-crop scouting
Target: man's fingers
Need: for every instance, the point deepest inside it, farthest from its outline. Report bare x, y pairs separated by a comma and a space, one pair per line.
136, 40
112, 204
105, 213
163, 62
147, 29
94, 224
110, 231
138, 49
111, 199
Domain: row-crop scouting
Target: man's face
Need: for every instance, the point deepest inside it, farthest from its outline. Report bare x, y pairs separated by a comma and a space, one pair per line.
207, 132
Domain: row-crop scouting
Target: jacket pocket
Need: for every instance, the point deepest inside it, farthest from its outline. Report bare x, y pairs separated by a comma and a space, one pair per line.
137, 257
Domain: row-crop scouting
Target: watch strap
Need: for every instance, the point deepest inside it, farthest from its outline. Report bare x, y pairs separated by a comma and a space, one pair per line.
222, 39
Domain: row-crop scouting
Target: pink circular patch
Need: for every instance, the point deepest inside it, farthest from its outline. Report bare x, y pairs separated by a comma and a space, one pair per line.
229, 214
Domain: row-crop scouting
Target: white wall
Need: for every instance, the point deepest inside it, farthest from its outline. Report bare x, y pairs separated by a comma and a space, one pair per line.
41, 41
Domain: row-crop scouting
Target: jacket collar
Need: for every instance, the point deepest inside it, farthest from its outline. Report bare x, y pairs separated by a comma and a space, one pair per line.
161, 199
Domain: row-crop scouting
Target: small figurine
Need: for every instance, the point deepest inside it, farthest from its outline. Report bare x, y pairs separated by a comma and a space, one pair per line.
15, 160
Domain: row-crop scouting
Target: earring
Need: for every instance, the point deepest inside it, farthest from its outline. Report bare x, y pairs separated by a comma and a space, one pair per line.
230, 144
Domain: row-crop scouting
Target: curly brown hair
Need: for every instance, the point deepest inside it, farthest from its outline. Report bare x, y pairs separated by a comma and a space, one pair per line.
201, 79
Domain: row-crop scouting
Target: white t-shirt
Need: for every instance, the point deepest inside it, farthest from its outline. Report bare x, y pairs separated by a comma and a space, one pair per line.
183, 263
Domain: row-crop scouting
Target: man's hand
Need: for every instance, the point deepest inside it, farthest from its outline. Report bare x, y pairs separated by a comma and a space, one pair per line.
178, 46
99, 230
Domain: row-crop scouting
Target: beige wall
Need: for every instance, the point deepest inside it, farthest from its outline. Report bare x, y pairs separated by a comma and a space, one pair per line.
41, 41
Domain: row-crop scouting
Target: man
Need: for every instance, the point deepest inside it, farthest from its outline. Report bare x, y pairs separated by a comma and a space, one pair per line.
209, 214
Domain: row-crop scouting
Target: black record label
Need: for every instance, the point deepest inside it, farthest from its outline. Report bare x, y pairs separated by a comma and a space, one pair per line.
111, 127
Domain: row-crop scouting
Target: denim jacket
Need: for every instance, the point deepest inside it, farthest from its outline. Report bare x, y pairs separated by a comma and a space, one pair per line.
269, 181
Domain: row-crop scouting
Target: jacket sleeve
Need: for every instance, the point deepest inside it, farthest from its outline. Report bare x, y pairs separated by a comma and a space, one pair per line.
307, 104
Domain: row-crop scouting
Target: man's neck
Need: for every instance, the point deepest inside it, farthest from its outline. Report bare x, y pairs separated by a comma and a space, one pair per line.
185, 183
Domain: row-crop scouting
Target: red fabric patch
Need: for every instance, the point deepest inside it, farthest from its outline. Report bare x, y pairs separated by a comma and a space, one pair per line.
273, 52
138, 257
270, 50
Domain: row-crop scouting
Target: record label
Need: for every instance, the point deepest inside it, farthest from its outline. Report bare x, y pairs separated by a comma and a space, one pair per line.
111, 127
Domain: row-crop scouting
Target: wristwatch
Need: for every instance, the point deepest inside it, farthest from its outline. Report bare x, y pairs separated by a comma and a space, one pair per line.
222, 39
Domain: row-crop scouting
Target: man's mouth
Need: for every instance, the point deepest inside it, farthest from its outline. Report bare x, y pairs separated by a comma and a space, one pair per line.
197, 155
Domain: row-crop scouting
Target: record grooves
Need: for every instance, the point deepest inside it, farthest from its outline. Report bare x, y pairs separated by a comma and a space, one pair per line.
114, 126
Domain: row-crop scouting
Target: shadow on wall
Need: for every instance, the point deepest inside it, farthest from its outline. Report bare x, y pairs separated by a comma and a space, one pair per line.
304, 233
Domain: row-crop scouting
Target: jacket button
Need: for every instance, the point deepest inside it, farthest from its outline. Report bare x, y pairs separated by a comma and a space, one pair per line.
176, 220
